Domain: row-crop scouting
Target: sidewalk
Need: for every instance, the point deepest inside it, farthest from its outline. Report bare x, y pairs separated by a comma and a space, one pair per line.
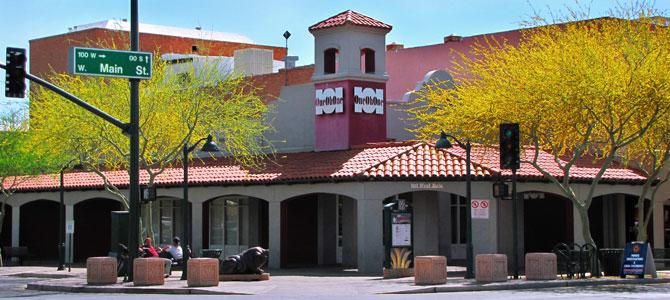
304, 282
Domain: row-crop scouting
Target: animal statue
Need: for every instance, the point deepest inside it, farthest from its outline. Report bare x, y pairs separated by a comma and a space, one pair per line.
249, 261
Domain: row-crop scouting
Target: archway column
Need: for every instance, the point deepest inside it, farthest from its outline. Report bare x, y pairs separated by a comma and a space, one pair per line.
69, 216
16, 222
196, 226
274, 234
370, 250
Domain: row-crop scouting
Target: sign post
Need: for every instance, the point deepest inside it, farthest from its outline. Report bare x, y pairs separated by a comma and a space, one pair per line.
69, 230
638, 260
112, 63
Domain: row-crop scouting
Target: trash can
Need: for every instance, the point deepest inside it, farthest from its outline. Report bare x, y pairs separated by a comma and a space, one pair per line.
611, 260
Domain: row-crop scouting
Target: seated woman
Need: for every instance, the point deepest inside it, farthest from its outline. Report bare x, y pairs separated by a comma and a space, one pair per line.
148, 250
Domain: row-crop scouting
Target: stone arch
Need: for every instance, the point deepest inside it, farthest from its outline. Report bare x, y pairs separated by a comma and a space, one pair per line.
234, 222
6, 236
613, 218
318, 229
547, 220
93, 227
38, 228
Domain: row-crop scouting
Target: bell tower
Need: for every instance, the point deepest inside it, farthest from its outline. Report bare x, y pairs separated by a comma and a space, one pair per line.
350, 81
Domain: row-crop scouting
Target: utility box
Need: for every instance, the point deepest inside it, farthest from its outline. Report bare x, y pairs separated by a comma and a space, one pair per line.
119, 230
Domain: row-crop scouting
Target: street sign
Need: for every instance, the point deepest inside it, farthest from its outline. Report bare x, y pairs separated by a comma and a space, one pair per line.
112, 63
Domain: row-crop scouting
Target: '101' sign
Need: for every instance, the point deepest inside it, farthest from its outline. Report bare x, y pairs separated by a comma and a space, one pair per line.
366, 100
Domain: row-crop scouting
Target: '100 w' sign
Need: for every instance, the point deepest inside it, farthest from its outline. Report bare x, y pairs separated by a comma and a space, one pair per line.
112, 63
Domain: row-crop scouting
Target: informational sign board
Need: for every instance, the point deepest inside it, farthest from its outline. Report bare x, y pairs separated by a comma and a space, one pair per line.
401, 230
480, 208
638, 260
112, 63
69, 226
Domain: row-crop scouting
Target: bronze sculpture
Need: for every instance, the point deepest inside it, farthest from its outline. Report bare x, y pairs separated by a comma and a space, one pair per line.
249, 261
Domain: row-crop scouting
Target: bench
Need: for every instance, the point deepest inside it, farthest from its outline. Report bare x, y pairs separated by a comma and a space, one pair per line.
18, 252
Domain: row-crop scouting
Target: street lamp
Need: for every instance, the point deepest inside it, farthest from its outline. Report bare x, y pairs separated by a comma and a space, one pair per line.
286, 36
209, 146
443, 143
61, 226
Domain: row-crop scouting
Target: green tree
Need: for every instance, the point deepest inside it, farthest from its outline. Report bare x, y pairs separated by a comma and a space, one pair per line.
177, 106
18, 162
579, 89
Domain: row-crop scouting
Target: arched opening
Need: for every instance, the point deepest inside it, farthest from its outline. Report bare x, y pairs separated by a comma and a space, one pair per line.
38, 229
330, 61
438, 224
367, 61
166, 218
318, 230
6, 235
614, 220
666, 224
547, 221
234, 223
93, 227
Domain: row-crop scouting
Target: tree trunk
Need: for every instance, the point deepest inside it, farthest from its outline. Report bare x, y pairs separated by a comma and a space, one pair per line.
641, 224
586, 226
149, 220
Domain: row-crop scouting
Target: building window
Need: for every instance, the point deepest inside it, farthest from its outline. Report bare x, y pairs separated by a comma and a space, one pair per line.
458, 219
166, 221
368, 61
330, 57
228, 227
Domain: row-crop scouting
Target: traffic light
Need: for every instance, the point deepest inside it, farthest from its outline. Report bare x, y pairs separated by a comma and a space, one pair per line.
509, 146
147, 193
15, 78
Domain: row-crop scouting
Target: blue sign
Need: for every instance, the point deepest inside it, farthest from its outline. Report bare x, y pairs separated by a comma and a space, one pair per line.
634, 259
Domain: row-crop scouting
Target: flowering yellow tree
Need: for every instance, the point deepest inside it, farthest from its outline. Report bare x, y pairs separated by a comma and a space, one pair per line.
176, 107
578, 89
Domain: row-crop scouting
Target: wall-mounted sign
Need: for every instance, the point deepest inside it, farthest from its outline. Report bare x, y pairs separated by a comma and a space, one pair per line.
480, 208
329, 101
368, 100
428, 186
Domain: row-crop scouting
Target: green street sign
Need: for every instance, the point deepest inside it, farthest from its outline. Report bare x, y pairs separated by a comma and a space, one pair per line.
112, 63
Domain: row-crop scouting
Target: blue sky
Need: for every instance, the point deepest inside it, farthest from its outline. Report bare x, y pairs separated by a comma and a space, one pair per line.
415, 23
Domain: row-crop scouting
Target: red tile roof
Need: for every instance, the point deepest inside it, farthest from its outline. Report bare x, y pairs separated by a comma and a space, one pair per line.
410, 160
350, 17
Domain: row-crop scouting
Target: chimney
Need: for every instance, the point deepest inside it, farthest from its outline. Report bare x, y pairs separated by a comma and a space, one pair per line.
393, 47
452, 38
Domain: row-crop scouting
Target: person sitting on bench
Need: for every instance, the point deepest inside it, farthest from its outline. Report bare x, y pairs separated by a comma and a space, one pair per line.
174, 251
147, 250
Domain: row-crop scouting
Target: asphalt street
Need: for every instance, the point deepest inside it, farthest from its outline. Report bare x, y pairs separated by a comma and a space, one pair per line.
14, 287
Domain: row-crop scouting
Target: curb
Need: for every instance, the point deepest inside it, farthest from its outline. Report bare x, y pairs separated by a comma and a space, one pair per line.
530, 285
124, 290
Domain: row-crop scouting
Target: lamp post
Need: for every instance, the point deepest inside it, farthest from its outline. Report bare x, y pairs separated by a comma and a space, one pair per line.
61, 225
286, 36
443, 143
209, 146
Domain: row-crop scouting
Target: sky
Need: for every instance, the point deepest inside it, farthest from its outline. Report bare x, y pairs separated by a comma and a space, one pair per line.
415, 23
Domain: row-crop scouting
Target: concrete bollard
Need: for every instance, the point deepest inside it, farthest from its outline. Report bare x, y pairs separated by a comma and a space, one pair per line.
541, 266
148, 271
430, 270
491, 268
101, 270
203, 272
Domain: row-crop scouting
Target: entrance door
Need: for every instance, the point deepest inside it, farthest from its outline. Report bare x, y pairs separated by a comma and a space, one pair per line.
547, 222
299, 232
93, 228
